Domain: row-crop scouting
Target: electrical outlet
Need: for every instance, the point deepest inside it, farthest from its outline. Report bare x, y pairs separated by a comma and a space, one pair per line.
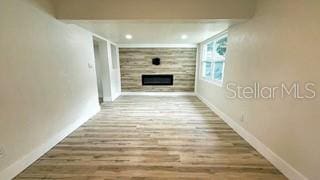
242, 118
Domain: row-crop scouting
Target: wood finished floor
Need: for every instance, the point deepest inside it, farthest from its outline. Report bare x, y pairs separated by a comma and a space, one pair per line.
144, 137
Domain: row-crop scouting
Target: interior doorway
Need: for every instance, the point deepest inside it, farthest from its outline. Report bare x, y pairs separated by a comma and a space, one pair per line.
107, 69
98, 70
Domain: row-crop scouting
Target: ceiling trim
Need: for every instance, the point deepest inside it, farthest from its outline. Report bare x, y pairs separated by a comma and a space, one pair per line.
157, 45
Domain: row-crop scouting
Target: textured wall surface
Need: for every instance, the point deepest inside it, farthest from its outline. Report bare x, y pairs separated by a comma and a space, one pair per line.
180, 62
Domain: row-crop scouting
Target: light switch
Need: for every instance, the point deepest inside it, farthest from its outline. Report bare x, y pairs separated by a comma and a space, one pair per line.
90, 66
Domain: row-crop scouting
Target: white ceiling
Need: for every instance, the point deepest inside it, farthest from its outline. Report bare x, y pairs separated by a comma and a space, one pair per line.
155, 32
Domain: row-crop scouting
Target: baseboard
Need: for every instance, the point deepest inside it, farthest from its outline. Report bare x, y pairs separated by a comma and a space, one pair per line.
112, 98
277, 161
158, 94
18, 166
116, 96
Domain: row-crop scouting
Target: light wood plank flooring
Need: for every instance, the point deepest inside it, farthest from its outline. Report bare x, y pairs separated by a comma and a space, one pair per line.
144, 137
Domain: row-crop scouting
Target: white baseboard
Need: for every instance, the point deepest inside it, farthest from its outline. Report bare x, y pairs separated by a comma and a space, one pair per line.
158, 94
116, 96
18, 166
277, 161
112, 98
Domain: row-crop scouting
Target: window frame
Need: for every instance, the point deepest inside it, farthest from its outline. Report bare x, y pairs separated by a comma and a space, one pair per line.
203, 48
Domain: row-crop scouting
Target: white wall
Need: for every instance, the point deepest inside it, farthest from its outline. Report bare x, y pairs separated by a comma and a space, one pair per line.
47, 85
280, 43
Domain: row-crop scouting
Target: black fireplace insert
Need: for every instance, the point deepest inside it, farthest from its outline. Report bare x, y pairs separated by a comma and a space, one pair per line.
157, 79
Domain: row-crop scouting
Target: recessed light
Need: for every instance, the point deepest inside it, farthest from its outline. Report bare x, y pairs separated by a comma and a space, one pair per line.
184, 36
128, 36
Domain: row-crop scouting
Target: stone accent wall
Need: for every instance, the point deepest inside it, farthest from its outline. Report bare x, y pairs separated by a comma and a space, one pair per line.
181, 62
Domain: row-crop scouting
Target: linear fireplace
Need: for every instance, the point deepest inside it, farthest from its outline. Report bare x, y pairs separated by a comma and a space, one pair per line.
157, 79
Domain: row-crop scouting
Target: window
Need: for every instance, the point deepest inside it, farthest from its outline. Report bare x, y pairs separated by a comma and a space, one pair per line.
213, 58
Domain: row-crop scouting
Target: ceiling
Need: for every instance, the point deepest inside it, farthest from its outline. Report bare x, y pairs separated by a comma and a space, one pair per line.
155, 32
153, 9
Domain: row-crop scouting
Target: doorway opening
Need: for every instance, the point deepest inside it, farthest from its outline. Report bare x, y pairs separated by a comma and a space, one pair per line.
98, 70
